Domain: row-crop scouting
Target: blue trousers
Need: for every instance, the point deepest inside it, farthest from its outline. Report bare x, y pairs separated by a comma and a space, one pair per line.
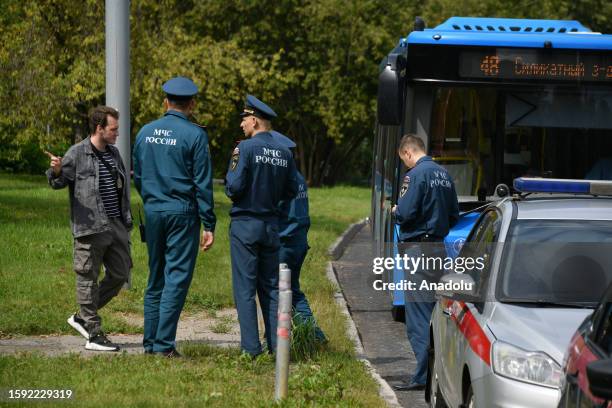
418, 315
418, 307
172, 243
254, 246
293, 254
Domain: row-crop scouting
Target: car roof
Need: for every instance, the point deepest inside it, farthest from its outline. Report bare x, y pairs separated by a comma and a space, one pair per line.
564, 208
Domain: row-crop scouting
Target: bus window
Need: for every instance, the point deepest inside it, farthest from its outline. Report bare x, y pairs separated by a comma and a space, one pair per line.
490, 135
556, 132
462, 126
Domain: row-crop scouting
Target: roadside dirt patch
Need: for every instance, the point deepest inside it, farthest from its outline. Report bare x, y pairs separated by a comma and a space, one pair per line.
220, 329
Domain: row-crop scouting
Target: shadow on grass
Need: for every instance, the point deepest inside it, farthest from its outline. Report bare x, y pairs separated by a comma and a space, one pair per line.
15, 208
48, 211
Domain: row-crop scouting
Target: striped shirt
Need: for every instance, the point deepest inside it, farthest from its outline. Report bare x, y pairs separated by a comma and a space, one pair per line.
108, 187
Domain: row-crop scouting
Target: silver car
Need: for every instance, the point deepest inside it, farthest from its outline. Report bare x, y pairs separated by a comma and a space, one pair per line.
547, 262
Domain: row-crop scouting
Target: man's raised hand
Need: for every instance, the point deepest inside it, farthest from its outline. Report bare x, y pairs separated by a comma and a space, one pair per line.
56, 162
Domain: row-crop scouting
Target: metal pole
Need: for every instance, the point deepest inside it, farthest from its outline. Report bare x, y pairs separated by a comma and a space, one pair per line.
283, 333
117, 15
118, 71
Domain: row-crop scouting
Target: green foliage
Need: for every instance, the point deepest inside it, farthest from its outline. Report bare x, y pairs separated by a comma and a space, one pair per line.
321, 81
316, 62
304, 342
595, 14
319, 383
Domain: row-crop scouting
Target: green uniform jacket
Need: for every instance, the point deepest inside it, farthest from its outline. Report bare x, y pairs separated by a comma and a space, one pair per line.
172, 168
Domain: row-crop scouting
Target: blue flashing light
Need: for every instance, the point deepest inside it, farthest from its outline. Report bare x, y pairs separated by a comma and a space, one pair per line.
567, 186
538, 185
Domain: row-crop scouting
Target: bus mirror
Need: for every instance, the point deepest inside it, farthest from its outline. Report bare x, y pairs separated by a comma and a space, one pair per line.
391, 91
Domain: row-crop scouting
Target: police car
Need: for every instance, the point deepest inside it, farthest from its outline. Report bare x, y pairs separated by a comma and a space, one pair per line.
547, 261
588, 365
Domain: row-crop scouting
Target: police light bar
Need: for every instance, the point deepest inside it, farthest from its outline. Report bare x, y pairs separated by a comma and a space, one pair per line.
568, 186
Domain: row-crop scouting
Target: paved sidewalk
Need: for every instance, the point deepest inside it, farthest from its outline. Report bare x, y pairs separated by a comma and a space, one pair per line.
384, 340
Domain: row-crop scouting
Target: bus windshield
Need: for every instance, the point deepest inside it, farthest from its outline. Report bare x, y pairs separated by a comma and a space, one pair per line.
486, 135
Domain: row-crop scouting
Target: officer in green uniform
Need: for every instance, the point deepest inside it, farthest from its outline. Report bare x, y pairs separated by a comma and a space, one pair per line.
173, 174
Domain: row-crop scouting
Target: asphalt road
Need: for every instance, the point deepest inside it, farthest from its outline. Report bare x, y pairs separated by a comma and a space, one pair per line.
384, 340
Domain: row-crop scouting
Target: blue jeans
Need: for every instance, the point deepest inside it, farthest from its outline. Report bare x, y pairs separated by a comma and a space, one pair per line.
172, 243
254, 246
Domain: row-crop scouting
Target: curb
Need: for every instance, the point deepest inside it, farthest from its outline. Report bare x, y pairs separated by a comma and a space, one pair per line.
335, 251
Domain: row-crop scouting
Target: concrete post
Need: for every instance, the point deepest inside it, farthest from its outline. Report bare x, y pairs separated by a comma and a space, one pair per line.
283, 333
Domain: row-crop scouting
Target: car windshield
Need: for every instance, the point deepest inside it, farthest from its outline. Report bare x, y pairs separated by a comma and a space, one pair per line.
556, 262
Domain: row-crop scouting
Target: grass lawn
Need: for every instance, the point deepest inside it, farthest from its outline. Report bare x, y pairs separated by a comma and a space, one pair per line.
37, 295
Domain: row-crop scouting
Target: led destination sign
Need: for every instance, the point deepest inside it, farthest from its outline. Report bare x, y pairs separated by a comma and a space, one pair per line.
531, 64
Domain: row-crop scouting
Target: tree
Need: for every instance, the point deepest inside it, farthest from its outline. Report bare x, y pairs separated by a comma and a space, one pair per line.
46, 81
327, 52
314, 61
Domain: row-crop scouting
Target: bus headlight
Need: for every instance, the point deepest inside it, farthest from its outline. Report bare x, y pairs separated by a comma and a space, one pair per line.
528, 366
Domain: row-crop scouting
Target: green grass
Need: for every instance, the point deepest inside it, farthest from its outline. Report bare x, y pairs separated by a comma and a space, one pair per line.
304, 342
37, 292
37, 280
209, 377
222, 324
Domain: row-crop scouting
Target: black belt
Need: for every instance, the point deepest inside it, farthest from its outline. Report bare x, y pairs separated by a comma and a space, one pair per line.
425, 238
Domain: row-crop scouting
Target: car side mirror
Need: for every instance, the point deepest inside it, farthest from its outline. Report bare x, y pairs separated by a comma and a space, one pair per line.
599, 374
457, 286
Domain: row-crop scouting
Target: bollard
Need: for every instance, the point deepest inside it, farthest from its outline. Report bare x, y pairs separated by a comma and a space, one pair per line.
283, 333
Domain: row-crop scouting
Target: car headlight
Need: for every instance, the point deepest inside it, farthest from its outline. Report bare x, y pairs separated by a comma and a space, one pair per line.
528, 366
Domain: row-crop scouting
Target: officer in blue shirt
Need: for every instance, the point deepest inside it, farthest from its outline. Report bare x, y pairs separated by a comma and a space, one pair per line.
261, 174
294, 226
173, 174
427, 208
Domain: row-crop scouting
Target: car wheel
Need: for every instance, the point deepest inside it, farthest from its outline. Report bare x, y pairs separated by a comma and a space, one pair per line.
436, 400
398, 314
469, 399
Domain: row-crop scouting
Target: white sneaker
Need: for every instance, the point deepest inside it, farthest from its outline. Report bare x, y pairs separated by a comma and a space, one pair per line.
100, 342
78, 324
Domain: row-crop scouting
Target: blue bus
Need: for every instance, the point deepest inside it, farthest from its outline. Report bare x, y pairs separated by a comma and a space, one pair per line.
493, 99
